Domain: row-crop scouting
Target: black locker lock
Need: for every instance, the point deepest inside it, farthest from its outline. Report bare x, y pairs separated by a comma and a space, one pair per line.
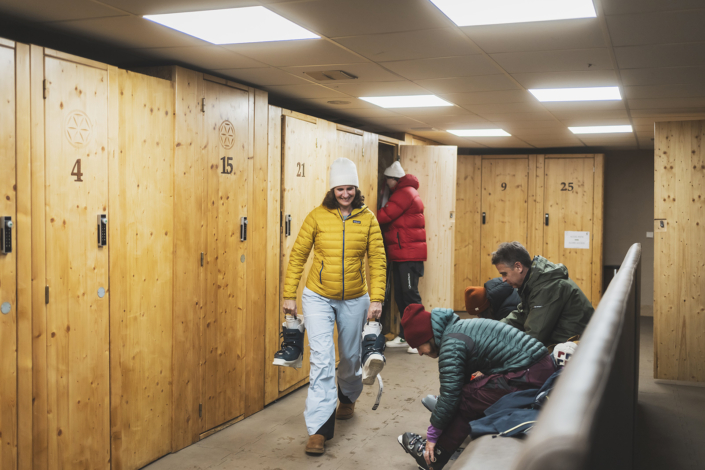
287, 225
6, 234
484, 218
243, 229
546, 220
102, 229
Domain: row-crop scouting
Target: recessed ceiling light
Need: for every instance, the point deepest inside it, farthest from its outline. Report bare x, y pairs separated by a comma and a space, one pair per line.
604, 93
482, 12
234, 25
413, 101
600, 129
480, 133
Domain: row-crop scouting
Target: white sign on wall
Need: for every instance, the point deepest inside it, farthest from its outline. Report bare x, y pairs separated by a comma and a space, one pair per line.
580, 240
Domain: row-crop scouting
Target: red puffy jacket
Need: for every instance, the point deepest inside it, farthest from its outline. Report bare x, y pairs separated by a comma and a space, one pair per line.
403, 223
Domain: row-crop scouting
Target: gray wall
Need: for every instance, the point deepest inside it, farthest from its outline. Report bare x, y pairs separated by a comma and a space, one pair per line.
629, 213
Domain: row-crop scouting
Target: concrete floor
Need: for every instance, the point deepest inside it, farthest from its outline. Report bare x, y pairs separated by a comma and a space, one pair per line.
671, 426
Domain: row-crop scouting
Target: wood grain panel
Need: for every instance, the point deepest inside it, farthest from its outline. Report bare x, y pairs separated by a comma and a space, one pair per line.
141, 272
534, 241
597, 228
226, 151
468, 197
570, 210
189, 241
435, 167
76, 268
505, 183
8, 263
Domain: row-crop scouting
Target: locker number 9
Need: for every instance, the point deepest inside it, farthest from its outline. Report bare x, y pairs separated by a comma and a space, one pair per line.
504, 186
569, 187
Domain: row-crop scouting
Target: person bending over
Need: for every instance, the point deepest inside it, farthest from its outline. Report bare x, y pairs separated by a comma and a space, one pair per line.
510, 360
553, 309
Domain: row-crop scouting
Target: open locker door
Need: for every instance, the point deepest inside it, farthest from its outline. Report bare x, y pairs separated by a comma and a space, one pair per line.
435, 167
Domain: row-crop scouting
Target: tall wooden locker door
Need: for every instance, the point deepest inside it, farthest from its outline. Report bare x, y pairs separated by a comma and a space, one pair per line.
225, 152
504, 207
304, 177
568, 217
77, 312
8, 262
435, 167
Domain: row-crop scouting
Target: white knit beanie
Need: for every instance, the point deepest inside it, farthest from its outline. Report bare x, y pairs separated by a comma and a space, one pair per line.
343, 172
395, 171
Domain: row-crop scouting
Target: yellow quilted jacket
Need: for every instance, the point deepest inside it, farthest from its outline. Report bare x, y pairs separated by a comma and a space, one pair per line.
339, 248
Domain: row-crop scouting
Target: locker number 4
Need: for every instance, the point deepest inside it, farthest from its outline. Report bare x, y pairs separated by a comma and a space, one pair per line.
76, 170
229, 169
569, 187
301, 172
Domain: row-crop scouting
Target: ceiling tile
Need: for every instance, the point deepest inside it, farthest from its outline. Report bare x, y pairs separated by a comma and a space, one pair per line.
264, 76
668, 114
142, 33
400, 120
335, 18
489, 97
666, 91
468, 84
462, 66
581, 121
583, 106
664, 55
360, 113
553, 143
303, 91
204, 57
657, 28
468, 121
616, 7
378, 88
56, 10
671, 103
663, 76
153, 7
554, 61
511, 117
567, 79
345, 104
513, 126
545, 134
502, 108
436, 111
297, 53
365, 72
501, 142
537, 36
595, 115
424, 44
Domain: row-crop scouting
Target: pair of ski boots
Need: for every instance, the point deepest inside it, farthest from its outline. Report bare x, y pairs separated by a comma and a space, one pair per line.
292, 348
415, 445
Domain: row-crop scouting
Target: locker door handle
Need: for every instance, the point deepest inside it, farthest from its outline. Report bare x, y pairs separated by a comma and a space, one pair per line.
287, 225
243, 229
484, 218
546, 220
102, 229
6, 234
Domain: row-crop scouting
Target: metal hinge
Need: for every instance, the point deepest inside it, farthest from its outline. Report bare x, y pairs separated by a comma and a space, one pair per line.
44, 88
202, 257
203, 105
200, 410
46, 294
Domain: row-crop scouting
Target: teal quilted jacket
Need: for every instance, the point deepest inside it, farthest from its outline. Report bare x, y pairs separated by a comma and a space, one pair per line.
468, 346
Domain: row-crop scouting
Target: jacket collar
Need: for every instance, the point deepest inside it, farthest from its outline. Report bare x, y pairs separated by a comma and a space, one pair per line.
354, 212
441, 318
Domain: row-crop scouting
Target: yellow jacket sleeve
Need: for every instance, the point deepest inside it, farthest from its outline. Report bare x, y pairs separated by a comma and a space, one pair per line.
377, 259
299, 256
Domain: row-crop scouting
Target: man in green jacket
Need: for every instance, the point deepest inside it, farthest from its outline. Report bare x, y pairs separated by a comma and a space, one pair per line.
509, 359
553, 308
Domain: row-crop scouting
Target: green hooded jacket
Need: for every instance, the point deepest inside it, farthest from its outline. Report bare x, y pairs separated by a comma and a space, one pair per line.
553, 308
468, 346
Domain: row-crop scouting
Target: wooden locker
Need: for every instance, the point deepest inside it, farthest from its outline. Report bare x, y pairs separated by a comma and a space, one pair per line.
8, 258
225, 152
141, 272
78, 141
468, 218
504, 206
435, 167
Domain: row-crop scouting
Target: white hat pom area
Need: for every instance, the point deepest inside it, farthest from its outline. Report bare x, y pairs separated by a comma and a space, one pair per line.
343, 172
395, 171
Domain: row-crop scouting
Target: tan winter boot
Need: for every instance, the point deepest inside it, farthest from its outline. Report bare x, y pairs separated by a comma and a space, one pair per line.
345, 411
316, 444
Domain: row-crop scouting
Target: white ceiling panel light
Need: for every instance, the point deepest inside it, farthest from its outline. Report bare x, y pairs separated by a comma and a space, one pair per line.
600, 129
479, 133
234, 25
412, 101
483, 12
603, 93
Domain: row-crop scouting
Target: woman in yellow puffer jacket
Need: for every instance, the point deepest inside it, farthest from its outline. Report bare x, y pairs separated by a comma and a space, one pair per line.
341, 232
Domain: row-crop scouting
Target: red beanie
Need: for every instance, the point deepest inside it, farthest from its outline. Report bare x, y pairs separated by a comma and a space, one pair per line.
417, 325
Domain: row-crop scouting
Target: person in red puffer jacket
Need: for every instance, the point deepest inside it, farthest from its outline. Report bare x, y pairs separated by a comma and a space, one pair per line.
404, 230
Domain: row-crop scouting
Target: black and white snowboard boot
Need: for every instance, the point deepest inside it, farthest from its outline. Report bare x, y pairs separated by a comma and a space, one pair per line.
292, 348
373, 344
415, 445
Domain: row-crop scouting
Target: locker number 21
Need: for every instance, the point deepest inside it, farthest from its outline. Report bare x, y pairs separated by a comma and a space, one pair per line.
301, 170
76, 171
569, 187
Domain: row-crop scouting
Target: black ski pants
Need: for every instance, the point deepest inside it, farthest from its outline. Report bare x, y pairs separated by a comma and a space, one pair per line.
406, 285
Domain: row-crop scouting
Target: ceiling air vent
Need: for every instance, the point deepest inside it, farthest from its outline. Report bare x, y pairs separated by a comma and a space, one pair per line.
327, 75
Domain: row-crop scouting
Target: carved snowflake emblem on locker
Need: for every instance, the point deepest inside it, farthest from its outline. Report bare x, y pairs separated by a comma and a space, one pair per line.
78, 128
227, 135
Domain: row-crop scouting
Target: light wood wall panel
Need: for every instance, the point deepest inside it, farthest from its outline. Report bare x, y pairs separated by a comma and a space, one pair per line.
468, 216
679, 226
141, 272
8, 261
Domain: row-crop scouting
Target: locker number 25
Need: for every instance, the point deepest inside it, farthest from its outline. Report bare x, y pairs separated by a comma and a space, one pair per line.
569, 187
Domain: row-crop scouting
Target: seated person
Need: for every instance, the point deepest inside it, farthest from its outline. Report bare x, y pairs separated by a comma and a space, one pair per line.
553, 309
509, 359
495, 300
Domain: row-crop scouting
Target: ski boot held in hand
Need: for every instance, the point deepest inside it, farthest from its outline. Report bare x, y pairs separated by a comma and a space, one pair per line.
292, 347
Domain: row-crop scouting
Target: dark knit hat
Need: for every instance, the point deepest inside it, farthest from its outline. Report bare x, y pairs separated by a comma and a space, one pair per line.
476, 300
417, 325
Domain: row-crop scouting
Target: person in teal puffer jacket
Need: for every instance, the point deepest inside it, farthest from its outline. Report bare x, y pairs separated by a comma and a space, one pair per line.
509, 359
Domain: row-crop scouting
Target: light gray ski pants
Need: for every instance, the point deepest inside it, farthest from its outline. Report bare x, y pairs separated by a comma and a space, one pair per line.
320, 314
